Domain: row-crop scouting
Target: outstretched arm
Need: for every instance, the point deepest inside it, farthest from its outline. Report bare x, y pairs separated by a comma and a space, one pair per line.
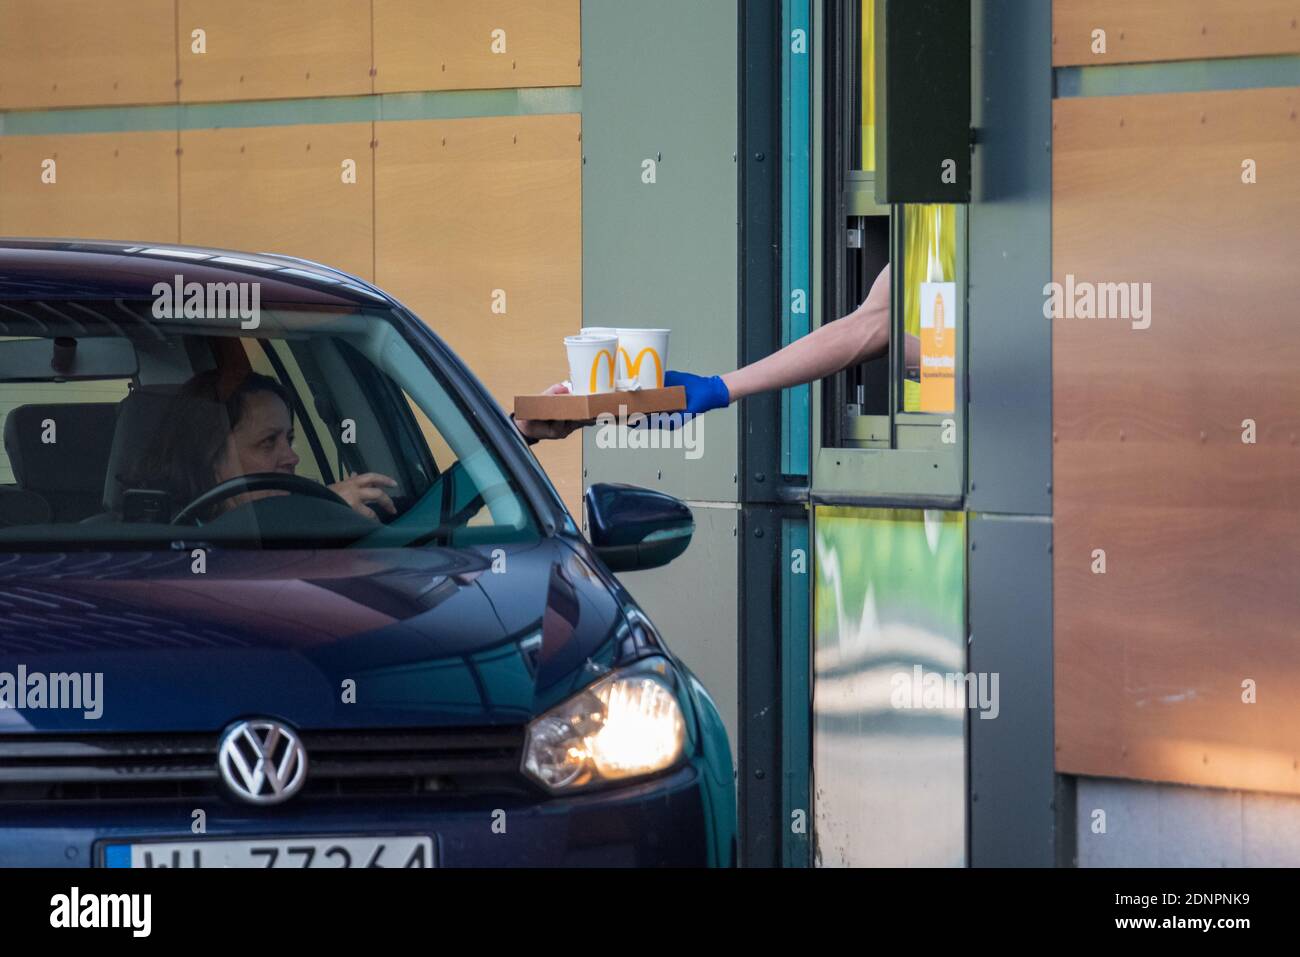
861, 335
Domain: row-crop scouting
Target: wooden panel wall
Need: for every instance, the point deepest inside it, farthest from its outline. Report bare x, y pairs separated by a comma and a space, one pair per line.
497, 207
1201, 531
452, 45
57, 53
1149, 30
281, 189
258, 50
70, 52
467, 207
106, 186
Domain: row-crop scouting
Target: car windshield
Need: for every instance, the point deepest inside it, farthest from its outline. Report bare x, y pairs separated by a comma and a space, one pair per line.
299, 427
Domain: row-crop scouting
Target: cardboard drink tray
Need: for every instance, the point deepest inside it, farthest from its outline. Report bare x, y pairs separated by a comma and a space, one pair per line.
583, 408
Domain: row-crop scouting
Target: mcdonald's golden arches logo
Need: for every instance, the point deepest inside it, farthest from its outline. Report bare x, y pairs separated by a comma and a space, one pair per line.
595, 370
634, 365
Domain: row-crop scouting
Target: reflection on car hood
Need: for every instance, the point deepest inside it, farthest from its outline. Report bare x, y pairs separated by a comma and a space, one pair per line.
321, 639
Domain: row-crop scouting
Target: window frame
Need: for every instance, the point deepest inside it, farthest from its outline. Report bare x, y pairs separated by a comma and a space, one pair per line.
910, 464
306, 422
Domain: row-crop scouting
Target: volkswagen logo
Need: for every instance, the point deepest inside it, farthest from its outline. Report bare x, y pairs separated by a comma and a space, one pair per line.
262, 761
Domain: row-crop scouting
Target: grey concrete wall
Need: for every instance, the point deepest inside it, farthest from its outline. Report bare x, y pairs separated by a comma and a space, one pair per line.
1013, 809
1171, 825
1012, 771
659, 85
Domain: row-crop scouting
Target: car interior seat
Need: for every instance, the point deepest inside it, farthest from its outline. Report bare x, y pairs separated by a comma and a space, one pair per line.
59, 453
140, 417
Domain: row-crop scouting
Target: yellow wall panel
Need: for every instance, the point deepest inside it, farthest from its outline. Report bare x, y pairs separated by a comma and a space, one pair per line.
281, 189
106, 186
1152, 30
257, 50
448, 44
84, 52
467, 207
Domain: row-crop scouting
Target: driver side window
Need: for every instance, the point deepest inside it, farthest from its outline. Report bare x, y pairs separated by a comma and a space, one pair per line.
457, 490
313, 442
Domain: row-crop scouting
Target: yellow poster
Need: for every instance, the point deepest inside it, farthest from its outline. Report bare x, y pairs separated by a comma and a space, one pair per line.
938, 346
929, 256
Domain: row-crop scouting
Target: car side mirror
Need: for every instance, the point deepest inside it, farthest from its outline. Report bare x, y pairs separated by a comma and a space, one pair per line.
634, 528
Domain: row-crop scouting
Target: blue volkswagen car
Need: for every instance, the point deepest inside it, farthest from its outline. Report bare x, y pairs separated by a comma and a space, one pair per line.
282, 586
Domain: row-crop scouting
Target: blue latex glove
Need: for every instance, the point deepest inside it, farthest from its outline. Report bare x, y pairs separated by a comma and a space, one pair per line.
703, 393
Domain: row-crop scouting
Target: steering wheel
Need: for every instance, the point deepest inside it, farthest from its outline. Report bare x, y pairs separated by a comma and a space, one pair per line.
257, 482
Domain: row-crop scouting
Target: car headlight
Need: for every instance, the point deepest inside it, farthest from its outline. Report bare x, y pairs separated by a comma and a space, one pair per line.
626, 725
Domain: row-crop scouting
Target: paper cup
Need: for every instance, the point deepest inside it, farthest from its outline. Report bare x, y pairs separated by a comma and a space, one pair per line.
643, 356
591, 363
603, 330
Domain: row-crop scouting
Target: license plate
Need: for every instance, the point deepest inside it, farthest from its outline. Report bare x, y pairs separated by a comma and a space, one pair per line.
384, 851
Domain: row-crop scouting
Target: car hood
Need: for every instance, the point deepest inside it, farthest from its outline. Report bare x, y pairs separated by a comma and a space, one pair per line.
320, 639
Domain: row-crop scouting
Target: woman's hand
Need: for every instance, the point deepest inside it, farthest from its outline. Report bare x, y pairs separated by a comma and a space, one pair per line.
537, 429
361, 491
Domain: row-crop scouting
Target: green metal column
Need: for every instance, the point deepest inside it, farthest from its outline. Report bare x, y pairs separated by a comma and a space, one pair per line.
796, 691
796, 222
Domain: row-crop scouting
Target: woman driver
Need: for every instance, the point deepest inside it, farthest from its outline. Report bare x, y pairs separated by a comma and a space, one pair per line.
213, 433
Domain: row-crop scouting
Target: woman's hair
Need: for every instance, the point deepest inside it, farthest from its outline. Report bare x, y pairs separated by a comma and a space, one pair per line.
182, 460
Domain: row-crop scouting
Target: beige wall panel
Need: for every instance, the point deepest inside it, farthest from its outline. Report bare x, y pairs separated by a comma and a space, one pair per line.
107, 186
448, 44
1150, 30
280, 189
1201, 531
289, 48
1151, 656
466, 207
86, 52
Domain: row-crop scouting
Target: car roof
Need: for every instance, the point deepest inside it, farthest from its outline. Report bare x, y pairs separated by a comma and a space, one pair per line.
99, 269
